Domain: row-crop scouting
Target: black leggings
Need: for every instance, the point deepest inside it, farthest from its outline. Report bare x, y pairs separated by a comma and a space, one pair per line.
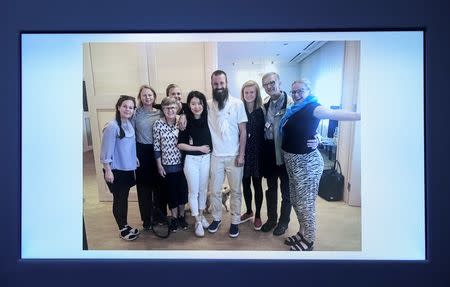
175, 186
120, 188
248, 194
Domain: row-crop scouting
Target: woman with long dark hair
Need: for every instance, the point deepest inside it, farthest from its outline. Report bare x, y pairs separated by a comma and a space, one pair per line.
118, 156
195, 141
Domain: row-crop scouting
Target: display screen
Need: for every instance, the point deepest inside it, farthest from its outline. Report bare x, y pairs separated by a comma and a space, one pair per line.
377, 74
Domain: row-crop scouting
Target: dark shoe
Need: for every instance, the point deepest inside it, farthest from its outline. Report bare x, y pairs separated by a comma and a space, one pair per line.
234, 230
173, 226
182, 223
268, 226
214, 226
280, 229
147, 226
246, 217
257, 224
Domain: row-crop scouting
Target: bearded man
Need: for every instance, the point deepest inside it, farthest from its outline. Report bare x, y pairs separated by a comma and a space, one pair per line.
227, 123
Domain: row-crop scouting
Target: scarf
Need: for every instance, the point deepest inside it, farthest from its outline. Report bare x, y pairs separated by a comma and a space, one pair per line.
290, 111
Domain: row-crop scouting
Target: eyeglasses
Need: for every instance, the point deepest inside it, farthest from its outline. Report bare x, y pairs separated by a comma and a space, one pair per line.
298, 91
169, 108
271, 83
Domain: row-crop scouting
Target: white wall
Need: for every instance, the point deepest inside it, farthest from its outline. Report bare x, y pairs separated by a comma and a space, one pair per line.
238, 75
324, 69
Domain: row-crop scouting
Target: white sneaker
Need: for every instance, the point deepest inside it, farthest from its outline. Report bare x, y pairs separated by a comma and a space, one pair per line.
204, 222
199, 232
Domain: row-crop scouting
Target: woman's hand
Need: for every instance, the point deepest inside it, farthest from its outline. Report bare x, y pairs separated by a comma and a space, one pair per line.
240, 160
161, 171
109, 176
313, 143
182, 122
204, 149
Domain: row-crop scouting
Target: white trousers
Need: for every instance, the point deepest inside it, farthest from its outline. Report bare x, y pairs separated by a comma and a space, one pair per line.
196, 170
221, 166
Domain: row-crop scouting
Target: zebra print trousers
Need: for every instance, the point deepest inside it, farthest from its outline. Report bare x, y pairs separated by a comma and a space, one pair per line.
304, 171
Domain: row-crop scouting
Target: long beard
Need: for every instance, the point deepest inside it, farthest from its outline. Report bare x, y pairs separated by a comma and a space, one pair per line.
221, 96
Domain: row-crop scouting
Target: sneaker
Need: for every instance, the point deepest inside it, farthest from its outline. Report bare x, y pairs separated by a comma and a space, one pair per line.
214, 226
234, 230
132, 230
173, 226
147, 226
182, 223
204, 222
125, 234
280, 229
257, 223
246, 217
199, 231
268, 226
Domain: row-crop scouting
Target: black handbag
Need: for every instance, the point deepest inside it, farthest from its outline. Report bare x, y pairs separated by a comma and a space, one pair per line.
331, 186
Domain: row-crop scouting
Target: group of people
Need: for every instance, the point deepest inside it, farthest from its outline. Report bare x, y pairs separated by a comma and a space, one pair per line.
175, 152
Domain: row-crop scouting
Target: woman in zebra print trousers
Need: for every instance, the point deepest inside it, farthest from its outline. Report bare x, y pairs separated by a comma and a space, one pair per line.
304, 165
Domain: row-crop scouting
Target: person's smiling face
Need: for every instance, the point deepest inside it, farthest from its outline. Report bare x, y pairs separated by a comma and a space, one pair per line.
170, 111
196, 107
147, 97
272, 85
175, 93
299, 92
126, 109
250, 94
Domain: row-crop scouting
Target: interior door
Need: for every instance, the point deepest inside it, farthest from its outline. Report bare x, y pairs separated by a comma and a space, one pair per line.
112, 69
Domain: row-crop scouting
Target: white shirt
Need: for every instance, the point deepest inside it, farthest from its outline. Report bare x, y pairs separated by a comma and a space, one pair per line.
224, 126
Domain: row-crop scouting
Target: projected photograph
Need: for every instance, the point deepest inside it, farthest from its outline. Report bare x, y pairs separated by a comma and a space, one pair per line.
175, 180
253, 146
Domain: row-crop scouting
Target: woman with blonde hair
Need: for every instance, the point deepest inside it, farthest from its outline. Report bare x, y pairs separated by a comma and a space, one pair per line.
147, 178
251, 96
305, 164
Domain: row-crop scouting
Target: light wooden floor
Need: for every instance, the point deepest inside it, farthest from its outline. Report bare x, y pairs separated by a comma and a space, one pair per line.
338, 227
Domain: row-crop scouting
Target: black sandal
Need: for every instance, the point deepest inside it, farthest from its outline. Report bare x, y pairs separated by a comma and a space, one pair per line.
303, 245
292, 240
